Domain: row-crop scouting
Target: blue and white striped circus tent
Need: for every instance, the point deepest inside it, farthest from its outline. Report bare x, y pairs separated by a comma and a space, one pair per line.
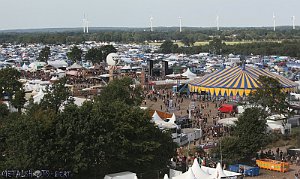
236, 81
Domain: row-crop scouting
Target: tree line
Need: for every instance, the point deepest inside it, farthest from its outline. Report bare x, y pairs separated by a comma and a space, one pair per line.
94, 55
218, 47
188, 36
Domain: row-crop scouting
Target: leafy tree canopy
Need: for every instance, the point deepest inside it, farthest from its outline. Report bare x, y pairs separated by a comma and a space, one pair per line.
270, 96
94, 55
107, 49
11, 87
110, 134
168, 47
3, 111
75, 54
248, 137
55, 95
121, 90
44, 54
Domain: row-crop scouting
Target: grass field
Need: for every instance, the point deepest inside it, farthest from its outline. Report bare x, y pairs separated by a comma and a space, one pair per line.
200, 43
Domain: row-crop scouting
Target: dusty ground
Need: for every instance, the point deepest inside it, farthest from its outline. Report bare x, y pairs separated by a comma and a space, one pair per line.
183, 107
267, 174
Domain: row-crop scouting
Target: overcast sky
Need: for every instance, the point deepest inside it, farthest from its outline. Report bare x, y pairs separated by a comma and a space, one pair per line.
24, 14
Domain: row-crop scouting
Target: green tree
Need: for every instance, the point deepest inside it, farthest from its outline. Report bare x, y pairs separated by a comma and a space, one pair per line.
131, 141
270, 96
11, 88
216, 46
167, 46
56, 95
107, 49
18, 99
94, 55
97, 138
44, 54
80, 140
251, 132
122, 90
28, 141
3, 111
75, 54
248, 137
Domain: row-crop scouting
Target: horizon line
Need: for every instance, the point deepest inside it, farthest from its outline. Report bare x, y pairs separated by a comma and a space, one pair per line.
141, 27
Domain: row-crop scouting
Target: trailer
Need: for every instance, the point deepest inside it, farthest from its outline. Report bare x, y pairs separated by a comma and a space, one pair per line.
273, 165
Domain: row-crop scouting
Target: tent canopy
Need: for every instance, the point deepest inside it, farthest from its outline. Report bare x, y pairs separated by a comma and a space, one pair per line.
228, 121
75, 66
198, 172
189, 74
236, 81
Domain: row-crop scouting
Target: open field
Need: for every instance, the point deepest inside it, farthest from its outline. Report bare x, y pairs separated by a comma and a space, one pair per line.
200, 43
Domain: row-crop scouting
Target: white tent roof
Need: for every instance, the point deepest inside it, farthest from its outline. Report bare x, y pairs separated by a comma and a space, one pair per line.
166, 176
187, 175
173, 75
189, 74
218, 173
36, 65
58, 63
54, 78
75, 66
121, 175
60, 71
25, 67
276, 117
126, 67
161, 123
172, 119
155, 117
79, 101
198, 172
38, 97
228, 121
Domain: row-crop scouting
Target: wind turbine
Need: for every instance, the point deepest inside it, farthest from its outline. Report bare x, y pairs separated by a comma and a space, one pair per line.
180, 24
274, 22
151, 24
217, 20
293, 19
87, 25
84, 23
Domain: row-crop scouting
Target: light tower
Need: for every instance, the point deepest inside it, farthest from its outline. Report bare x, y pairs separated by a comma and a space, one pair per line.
293, 19
151, 24
274, 22
217, 20
180, 24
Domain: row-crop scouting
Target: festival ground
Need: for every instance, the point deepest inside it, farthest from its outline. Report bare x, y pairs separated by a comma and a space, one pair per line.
184, 106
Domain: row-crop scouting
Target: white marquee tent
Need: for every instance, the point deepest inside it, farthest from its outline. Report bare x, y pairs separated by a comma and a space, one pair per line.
189, 74
195, 172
